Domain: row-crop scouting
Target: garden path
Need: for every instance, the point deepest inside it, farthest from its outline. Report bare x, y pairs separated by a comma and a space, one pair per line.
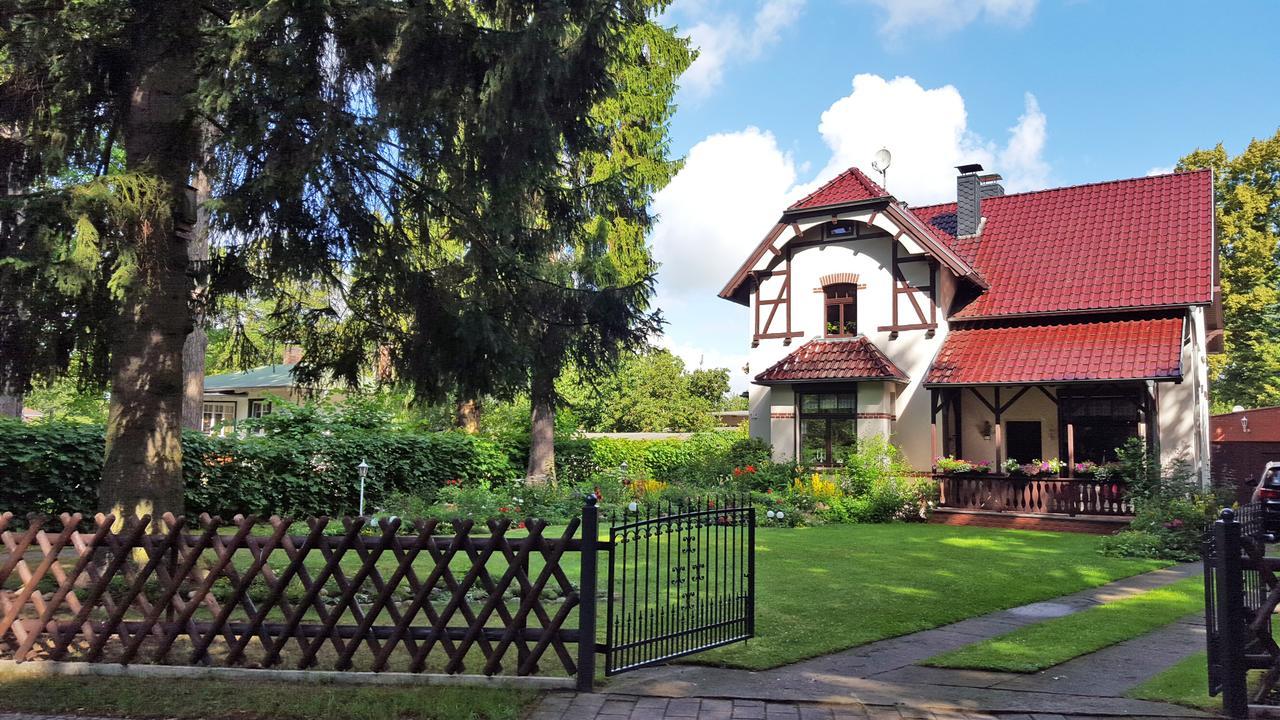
882, 680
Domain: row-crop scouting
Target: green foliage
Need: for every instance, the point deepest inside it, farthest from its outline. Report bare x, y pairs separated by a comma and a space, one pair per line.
1247, 193
650, 391
1171, 511
49, 467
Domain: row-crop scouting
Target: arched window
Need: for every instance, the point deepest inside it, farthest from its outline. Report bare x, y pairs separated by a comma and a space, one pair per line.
841, 309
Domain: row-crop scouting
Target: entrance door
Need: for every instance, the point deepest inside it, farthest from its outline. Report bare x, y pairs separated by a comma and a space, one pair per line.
1023, 443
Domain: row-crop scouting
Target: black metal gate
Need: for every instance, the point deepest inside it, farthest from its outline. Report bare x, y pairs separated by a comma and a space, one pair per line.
681, 580
1238, 584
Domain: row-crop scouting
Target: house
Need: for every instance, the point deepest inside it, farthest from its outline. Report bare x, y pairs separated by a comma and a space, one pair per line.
232, 397
1243, 442
1041, 325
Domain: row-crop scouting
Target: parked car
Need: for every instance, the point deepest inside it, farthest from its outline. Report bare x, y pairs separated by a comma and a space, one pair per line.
1268, 494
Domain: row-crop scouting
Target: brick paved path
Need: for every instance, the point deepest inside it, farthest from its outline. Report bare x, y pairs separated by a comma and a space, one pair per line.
569, 706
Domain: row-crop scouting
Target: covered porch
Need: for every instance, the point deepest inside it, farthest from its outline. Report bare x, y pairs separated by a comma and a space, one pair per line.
1025, 418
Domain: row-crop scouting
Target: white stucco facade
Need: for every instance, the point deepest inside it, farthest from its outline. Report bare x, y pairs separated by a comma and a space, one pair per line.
904, 411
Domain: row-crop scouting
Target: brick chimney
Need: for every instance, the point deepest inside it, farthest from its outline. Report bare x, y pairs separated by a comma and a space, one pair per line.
291, 355
971, 187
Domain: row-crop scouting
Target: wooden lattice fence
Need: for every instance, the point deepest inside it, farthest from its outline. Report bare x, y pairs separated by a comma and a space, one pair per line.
410, 597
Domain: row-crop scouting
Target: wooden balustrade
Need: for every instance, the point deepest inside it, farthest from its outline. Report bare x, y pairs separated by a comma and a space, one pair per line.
1048, 494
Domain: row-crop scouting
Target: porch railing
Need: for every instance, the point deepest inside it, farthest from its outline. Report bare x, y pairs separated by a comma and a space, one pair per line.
1050, 495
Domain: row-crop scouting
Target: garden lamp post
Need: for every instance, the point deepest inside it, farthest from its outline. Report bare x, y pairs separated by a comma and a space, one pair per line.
362, 470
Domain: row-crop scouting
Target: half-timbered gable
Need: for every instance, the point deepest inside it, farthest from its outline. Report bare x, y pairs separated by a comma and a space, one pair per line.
1002, 327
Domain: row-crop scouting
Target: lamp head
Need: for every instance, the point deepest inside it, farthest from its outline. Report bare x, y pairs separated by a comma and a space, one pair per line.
363, 468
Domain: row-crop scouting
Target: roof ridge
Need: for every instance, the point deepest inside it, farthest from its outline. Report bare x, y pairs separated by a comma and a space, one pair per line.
1095, 183
871, 186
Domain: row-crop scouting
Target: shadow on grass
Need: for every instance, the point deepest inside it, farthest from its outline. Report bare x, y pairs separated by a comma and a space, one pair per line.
216, 699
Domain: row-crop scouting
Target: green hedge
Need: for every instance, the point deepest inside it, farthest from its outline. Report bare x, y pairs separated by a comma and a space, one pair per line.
51, 467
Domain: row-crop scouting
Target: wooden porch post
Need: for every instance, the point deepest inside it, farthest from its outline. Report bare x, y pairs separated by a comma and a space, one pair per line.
933, 424
957, 400
999, 431
1071, 446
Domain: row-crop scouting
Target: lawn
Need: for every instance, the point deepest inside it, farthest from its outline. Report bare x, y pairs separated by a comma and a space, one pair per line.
1045, 644
1185, 683
825, 589
215, 699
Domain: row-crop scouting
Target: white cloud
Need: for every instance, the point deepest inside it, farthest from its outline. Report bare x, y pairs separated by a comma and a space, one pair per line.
717, 209
722, 40
927, 132
734, 185
1160, 171
943, 16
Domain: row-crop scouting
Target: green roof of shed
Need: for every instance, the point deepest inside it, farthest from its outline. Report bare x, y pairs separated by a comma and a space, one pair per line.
259, 377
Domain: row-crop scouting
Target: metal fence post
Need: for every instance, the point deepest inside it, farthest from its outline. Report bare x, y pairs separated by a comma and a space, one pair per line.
587, 595
1229, 584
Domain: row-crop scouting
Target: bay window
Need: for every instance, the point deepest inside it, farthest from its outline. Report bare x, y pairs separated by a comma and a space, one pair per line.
828, 425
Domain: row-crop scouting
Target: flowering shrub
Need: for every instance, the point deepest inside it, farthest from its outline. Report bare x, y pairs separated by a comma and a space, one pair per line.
954, 466
1171, 510
1034, 468
817, 488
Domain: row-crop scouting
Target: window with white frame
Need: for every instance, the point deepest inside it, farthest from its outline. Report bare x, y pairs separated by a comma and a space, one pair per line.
216, 414
259, 407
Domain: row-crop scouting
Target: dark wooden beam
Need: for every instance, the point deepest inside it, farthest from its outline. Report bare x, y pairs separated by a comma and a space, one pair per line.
1005, 407
978, 395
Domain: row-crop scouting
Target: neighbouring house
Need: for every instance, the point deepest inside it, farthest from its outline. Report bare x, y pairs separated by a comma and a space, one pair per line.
232, 397
1243, 442
1041, 325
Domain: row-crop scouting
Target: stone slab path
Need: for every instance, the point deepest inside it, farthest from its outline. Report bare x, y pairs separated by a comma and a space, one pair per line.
882, 680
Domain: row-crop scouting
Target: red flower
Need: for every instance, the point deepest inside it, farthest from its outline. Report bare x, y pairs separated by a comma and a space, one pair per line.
768, 491
751, 468
502, 509
711, 504
737, 471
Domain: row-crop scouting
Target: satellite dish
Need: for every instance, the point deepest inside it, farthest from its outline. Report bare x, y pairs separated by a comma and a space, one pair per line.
882, 160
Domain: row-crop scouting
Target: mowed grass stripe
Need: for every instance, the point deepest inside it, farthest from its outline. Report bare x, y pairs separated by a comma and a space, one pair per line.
1045, 644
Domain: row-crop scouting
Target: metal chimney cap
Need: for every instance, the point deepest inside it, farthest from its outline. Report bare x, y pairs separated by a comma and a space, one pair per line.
969, 169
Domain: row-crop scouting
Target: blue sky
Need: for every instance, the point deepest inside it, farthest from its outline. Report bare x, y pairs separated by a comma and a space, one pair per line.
788, 92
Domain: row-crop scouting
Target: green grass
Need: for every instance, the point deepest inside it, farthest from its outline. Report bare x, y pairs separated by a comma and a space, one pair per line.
1045, 644
825, 589
1185, 683
216, 699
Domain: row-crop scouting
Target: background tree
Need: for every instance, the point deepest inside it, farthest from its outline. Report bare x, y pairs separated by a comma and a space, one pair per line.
348, 134
650, 391
1247, 194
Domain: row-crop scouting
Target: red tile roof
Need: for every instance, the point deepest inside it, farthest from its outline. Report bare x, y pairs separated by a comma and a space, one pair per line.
1148, 348
1144, 242
833, 359
849, 186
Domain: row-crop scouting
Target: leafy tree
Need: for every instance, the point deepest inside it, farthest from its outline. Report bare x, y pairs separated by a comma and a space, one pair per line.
349, 139
649, 392
1247, 195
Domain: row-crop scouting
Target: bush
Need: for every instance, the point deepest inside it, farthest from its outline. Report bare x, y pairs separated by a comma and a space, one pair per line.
55, 466
1171, 511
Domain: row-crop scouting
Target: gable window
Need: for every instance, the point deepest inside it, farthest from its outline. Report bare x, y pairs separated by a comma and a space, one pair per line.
840, 230
215, 414
841, 309
258, 408
828, 426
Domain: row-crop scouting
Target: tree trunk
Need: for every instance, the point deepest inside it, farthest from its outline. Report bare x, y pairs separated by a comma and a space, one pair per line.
542, 435
468, 416
10, 404
142, 472
197, 343
15, 340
